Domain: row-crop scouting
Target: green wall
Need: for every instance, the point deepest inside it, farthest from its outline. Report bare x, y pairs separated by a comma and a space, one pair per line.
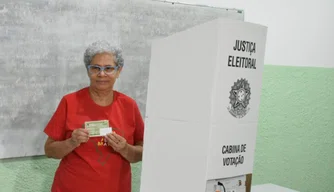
294, 145
296, 129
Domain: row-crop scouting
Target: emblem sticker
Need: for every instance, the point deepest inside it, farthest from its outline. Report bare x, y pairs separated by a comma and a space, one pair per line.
239, 98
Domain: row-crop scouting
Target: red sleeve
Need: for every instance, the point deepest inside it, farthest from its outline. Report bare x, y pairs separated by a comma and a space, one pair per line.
139, 125
56, 126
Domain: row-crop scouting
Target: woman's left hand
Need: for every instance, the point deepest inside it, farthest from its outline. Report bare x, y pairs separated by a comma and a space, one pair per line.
117, 142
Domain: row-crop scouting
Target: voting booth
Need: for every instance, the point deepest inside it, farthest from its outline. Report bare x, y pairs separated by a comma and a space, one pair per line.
202, 108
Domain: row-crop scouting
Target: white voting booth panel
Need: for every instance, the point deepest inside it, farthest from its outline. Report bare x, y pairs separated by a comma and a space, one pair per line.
202, 107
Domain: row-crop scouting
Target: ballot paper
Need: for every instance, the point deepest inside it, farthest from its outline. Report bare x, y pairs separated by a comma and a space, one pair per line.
98, 128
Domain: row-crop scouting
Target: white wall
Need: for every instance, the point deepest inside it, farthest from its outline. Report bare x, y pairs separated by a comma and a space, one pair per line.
300, 32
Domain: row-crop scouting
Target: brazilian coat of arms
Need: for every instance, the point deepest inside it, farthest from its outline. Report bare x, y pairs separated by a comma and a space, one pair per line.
239, 98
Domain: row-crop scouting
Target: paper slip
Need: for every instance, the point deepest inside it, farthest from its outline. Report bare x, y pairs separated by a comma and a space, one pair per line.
98, 132
97, 124
98, 128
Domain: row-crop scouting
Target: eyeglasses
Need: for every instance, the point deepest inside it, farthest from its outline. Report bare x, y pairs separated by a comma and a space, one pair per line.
96, 69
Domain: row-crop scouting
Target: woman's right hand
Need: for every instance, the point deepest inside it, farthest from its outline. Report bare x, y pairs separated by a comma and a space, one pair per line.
79, 136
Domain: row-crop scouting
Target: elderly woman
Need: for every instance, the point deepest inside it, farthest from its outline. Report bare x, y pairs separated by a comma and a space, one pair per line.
99, 163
